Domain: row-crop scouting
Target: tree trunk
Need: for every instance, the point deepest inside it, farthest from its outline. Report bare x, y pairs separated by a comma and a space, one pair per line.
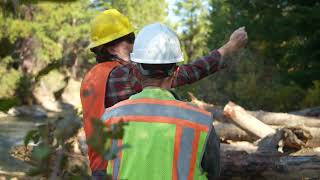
228, 131
297, 118
244, 162
292, 138
312, 112
271, 118
285, 119
246, 121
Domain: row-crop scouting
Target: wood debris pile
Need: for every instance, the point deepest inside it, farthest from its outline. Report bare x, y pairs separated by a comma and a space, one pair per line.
259, 144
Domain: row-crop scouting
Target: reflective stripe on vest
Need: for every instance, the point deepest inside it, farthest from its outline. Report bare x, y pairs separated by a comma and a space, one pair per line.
92, 93
189, 122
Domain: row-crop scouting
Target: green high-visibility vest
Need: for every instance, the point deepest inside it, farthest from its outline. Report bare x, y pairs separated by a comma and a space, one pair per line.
166, 139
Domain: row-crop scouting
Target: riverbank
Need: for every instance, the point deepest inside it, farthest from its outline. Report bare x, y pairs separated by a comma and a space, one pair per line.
13, 131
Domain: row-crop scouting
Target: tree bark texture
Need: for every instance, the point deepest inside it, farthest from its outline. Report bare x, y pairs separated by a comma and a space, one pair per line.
247, 163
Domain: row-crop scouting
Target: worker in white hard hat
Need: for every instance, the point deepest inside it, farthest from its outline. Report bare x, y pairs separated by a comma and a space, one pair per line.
168, 138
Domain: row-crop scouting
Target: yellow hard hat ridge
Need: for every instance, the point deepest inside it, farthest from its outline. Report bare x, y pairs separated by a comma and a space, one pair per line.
108, 26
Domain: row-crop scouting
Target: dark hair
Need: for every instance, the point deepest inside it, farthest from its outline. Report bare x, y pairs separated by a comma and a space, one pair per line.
157, 71
103, 55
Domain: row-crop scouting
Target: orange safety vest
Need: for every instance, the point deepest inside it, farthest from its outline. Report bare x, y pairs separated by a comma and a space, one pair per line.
92, 94
166, 139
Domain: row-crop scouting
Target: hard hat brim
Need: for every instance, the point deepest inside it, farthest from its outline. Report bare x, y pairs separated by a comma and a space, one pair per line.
110, 38
155, 61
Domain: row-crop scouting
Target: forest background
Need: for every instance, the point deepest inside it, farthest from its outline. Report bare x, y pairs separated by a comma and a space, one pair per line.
278, 71
44, 55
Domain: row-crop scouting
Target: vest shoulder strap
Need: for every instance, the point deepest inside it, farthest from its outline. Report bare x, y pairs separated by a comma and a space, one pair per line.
161, 111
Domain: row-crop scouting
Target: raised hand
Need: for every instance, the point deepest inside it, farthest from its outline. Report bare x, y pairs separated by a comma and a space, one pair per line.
237, 41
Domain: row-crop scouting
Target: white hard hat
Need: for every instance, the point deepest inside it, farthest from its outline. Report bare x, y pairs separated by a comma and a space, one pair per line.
156, 44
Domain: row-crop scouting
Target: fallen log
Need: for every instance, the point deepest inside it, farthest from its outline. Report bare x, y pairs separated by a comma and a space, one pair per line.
315, 141
314, 132
291, 138
311, 112
228, 131
271, 118
297, 118
247, 122
245, 162
285, 119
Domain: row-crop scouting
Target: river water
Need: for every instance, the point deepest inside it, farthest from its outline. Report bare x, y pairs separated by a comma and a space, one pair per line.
12, 132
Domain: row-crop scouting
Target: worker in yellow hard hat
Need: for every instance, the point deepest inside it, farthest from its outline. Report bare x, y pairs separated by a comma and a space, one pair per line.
114, 78
112, 39
112, 36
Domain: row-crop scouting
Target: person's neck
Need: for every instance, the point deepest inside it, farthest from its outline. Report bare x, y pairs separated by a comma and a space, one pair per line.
159, 83
152, 87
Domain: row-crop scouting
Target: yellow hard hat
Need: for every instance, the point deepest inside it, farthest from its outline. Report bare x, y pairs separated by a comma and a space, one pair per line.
108, 26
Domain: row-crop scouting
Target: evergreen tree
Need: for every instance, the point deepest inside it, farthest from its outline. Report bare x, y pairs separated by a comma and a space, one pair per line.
193, 24
287, 33
39, 36
281, 61
139, 12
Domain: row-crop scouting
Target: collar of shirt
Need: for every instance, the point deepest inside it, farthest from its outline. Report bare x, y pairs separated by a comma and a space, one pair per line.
154, 93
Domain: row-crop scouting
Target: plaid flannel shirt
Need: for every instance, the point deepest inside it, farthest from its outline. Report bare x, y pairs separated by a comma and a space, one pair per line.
123, 81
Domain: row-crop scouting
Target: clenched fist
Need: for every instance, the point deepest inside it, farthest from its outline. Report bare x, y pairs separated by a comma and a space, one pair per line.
237, 41
238, 38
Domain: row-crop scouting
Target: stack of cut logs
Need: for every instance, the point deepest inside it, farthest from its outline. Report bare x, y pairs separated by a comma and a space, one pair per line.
264, 145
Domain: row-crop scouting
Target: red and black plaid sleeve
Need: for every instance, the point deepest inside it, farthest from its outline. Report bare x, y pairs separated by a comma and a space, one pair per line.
124, 80
198, 69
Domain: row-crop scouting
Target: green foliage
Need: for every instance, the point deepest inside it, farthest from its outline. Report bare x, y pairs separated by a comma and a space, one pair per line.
41, 152
53, 139
313, 95
39, 36
9, 79
50, 67
194, 24
282, 31
281, 59
12, 7
139, 12
251, 83
31, 135
35, 171
56, 138
101, 137
24, 90
7, 103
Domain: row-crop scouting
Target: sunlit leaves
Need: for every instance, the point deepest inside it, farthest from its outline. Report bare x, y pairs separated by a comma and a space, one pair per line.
139, 12
193, 27
102, 136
